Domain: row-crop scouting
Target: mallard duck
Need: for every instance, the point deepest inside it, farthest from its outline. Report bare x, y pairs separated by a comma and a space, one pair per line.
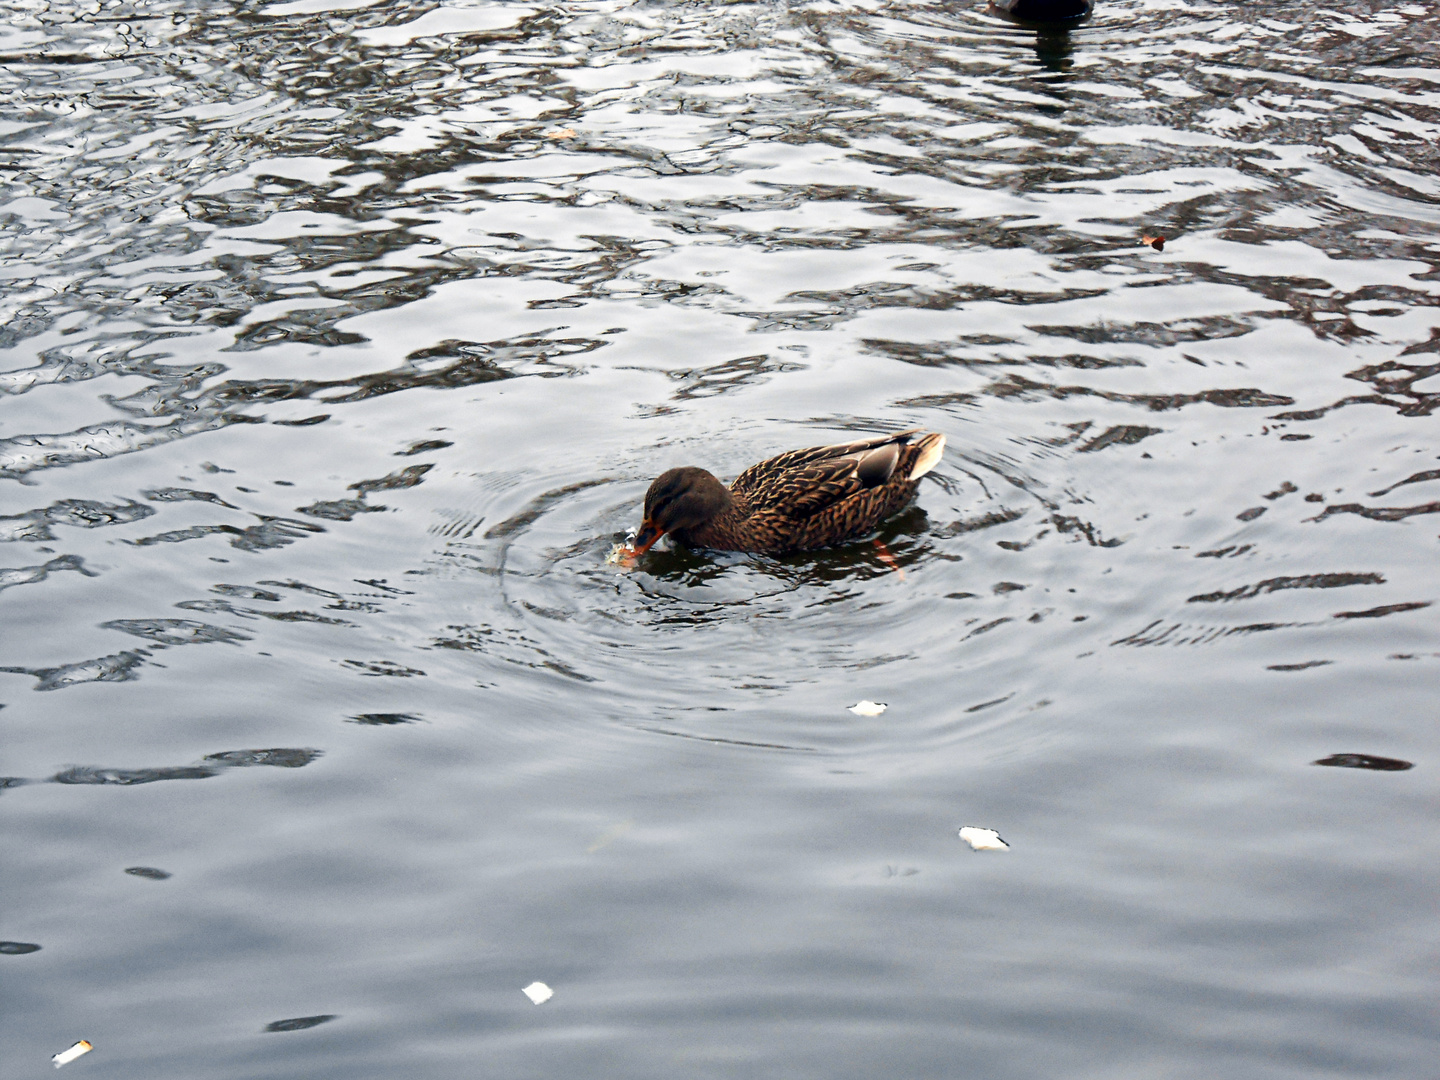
804, 499
1044, 11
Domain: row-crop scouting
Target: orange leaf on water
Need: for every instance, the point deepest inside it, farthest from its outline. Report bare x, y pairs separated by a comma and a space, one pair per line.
1156, 242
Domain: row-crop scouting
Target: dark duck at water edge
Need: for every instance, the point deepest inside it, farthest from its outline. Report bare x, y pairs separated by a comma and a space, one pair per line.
1044, 12
801, 500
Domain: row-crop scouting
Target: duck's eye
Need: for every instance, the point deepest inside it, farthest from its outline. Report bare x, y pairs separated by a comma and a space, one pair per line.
666, 498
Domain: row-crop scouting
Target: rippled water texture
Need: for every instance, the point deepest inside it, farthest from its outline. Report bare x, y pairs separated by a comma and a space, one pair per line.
339, 345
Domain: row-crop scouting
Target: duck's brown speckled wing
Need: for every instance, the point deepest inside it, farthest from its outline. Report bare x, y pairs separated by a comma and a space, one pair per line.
759, 476
806, 490
854, 515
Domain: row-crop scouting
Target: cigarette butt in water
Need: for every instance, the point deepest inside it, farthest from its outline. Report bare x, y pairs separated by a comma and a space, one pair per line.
983, 839
67, 1056
537, 992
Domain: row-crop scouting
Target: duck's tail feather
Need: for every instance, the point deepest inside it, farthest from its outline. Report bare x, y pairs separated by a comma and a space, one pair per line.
931, 447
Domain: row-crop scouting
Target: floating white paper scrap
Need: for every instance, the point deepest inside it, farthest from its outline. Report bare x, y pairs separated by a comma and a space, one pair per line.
983, 839
868, 708
67, 1056
538, 992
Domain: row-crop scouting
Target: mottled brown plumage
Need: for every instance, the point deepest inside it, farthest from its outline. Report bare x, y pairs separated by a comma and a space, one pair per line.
804, 499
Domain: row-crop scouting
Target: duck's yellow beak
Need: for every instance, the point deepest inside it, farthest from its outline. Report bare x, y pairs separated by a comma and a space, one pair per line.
645, 538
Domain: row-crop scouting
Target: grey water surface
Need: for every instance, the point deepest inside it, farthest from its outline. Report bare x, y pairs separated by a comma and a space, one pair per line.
339, 343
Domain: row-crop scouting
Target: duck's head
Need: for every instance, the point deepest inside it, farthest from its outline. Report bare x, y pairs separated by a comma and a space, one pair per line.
680, 499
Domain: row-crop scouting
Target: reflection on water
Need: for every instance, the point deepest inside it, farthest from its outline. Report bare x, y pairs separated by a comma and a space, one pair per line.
1365, 761
299, 1023
344, 338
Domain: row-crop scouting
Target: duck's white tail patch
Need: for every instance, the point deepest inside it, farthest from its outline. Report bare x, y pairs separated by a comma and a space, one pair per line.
931, 447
